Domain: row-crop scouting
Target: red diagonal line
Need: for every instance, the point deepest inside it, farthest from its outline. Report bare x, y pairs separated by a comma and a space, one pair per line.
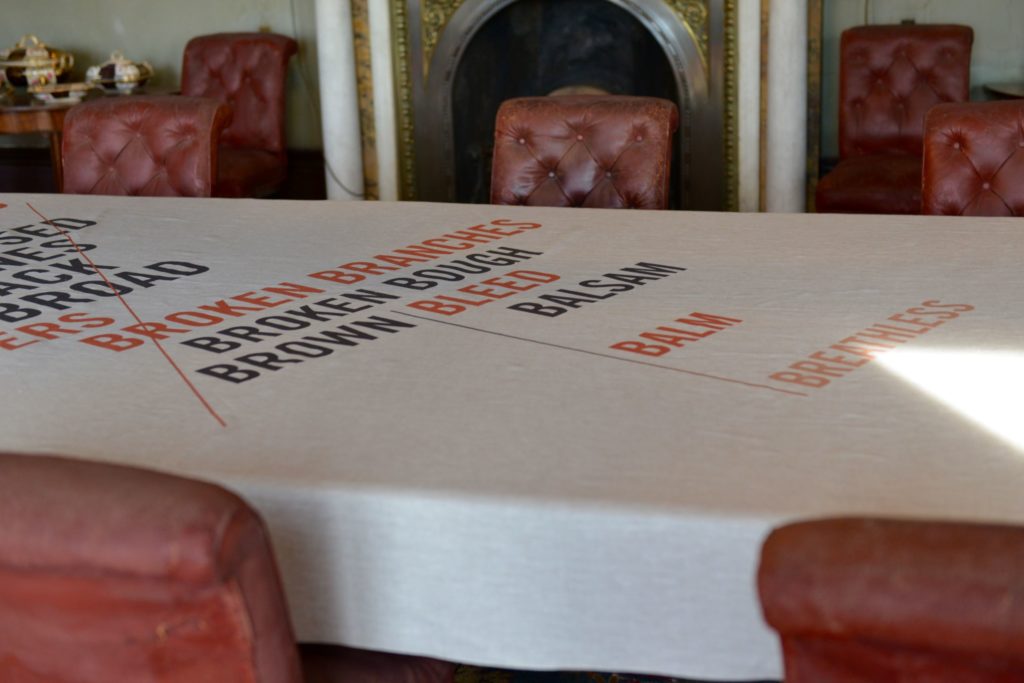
131, 311
606, 355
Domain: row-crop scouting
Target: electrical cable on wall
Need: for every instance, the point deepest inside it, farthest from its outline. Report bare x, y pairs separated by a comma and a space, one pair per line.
312, 97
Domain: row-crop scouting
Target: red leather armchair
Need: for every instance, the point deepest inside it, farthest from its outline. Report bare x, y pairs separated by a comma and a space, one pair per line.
974, 159
889, 77
885, 601
584, 150
247, 71
112, 573
151, 146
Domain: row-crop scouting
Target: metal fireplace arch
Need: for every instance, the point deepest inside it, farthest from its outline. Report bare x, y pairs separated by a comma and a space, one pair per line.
700, 83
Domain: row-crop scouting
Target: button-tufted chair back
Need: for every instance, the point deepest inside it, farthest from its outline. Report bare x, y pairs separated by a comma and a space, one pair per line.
890, 76
974, 159
116, 573
249, 72
585, 150
881, 601
151, 146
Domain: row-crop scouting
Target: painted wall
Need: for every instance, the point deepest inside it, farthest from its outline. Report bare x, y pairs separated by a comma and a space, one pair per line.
997, 55
157, 32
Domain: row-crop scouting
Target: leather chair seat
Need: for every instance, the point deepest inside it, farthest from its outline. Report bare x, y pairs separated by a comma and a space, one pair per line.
584, 150
877, 183
974, 159
248, 172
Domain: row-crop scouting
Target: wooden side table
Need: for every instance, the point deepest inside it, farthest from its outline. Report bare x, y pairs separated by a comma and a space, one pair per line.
1005, 91
24, 116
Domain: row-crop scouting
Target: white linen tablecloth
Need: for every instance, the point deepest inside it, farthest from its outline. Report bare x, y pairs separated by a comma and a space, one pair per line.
569, 462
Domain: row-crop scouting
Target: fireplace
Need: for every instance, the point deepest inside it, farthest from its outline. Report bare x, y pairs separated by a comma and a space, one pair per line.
466, 57
407, 108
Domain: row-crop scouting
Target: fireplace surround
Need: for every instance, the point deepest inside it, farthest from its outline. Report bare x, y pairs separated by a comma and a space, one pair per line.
470, 55
744, 73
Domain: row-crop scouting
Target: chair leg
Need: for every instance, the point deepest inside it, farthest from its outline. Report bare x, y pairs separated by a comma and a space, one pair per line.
58, 168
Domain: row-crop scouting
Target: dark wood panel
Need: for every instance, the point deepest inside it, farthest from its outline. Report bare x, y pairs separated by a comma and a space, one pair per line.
305, 176
28, 169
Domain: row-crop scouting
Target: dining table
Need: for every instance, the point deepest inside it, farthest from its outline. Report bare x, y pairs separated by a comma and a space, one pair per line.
524, 437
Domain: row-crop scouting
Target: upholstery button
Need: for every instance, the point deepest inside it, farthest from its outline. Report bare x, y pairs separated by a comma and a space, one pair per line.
1021, 143
551, 174
522, 141
639, 138
956, 145
608, 174
986, 186
579, 137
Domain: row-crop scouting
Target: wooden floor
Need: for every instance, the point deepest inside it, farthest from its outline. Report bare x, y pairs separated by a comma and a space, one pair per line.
28, 169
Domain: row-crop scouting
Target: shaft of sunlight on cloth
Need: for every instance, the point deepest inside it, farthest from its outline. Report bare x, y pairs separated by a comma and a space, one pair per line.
986, 387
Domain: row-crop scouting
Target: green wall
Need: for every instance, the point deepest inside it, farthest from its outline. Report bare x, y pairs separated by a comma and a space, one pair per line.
157, 32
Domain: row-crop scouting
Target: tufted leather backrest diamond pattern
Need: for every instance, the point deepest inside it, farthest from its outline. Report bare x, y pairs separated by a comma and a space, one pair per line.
890, 76
247, 71
585, 150
974, 159
150, 146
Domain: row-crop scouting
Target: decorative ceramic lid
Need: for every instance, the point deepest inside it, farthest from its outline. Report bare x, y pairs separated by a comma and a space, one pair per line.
119, 73
32, 62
